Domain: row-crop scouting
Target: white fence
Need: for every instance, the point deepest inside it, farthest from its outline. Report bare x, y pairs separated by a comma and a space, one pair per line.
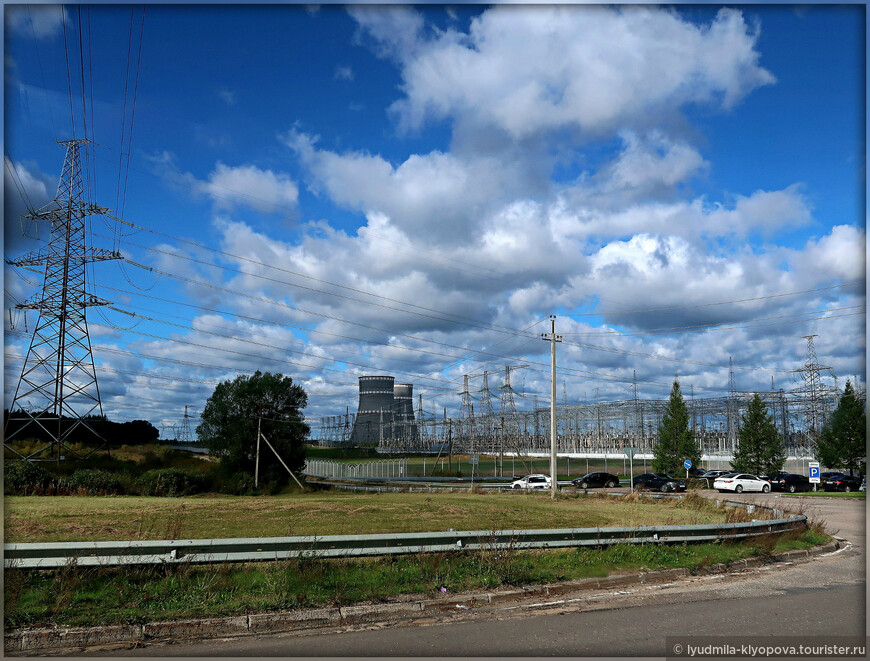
377, 468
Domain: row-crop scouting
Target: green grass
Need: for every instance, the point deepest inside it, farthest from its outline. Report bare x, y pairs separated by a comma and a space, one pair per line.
89, 596
92, 518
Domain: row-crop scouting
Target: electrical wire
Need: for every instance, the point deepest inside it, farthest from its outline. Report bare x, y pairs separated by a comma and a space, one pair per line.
16, 180
258, 263
68, 73
133, 113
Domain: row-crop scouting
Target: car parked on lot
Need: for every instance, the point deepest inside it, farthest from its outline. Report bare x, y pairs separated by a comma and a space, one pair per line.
712, 474
596, 480
658, 482
791, 482
773, 476
740, 482
532, 482
842, 482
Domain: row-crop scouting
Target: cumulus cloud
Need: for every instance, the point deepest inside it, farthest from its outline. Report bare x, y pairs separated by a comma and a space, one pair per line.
438, 195
648, 163
536, 69
264, 190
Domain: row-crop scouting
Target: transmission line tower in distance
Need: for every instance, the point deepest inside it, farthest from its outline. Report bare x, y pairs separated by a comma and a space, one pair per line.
813, 392
186, 434
58, 390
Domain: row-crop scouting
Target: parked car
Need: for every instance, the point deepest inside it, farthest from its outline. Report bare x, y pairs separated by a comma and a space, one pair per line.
694, 471
532, 482
596, 480
712, 474
740, 482
658, 482
842, 482
773, 476
791, 483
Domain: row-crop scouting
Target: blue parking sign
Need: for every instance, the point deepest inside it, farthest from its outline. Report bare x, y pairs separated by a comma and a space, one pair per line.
815, 476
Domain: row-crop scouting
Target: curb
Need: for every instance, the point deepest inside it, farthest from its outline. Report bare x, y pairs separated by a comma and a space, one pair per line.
72, 637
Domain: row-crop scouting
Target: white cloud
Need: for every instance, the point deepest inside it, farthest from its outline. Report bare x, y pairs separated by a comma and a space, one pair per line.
343, 73
533, 69
437, 195
651, 162
41, 21
247, 185
396, 29
264, 190
227, 95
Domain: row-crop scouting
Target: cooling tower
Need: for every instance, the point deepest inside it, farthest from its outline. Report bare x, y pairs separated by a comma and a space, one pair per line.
404, 401
406, 429
374, 418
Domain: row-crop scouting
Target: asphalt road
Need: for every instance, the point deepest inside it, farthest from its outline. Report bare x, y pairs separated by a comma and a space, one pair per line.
824, 597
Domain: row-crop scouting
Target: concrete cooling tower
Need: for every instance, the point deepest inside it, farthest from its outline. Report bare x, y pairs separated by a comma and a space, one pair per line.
374, 418
403, 394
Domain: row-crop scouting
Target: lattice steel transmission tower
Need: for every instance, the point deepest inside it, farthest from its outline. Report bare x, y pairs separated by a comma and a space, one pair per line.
813, 392
58, 390
508, 405
486, 412
186, 433
732, 406
466, 411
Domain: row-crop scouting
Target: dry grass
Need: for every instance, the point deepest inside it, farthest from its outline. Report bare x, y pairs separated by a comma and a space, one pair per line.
74, 518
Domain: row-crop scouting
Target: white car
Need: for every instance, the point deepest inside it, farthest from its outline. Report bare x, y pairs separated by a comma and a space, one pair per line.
532, 482
740, 482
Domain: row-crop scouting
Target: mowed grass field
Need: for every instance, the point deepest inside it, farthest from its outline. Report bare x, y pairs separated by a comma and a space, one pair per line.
93, 518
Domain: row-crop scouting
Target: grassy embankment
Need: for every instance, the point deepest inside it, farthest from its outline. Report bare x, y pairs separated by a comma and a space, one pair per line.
81, 596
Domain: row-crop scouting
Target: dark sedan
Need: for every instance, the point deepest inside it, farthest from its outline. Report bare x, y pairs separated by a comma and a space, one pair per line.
842, 483
596, 480
658, 482
791, 483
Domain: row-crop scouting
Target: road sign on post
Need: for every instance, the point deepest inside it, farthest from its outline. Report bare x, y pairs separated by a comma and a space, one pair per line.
815, 476
687, 464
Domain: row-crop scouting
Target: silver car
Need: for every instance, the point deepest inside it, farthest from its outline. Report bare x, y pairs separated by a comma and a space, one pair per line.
532, 482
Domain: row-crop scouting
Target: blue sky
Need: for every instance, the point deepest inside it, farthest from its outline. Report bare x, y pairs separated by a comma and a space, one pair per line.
474, 168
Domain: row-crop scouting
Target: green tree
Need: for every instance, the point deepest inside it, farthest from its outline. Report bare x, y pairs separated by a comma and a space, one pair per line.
676, 438
843, 441
760, 448
230, 419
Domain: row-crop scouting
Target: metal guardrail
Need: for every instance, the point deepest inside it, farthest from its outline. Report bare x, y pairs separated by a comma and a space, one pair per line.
59, 554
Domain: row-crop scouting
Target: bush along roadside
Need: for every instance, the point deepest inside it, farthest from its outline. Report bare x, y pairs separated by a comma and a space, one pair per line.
80, 596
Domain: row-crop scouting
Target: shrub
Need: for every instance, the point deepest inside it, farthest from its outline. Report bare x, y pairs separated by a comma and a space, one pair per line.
239, 484
23, 478
93, 482
171, 482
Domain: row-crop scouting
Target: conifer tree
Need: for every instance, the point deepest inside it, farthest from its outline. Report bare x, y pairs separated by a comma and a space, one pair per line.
676, 438
760, 448
843, 442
